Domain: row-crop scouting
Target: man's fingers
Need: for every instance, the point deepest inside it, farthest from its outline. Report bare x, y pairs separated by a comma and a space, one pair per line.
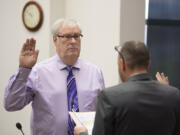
158, 76
162, 78
79, 129
32, 43
162, 75
29, 45
167, 80
36, 54
23, 48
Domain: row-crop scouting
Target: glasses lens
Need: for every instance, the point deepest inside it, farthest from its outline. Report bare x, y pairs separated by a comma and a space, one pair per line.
67, 36
76, 36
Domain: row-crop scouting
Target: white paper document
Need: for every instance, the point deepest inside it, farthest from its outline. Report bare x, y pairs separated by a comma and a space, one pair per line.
84, 118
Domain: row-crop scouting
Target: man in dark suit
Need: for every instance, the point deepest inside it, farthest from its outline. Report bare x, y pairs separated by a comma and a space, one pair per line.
139, 105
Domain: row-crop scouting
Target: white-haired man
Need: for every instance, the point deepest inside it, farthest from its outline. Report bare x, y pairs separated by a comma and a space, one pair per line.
57, 85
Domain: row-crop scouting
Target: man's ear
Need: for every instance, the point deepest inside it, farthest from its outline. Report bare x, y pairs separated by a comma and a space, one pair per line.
122, 64
54, 38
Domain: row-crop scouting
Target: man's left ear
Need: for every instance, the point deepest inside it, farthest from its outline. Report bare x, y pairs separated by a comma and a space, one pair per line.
122, 64
54, 38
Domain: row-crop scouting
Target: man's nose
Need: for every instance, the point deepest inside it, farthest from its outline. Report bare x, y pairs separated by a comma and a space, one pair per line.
73, 40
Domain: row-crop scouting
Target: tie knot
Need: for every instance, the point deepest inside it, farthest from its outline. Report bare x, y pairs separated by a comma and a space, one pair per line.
69, 68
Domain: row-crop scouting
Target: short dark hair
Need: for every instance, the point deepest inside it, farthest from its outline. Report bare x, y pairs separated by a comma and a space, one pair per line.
135, 54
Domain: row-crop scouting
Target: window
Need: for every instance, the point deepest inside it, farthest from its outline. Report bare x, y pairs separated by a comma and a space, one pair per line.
163, 38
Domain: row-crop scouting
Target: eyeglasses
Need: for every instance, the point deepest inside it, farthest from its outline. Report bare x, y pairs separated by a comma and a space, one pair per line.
118, 49
69, 36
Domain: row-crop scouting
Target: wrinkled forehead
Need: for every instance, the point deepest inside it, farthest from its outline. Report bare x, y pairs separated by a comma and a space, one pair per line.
69, 28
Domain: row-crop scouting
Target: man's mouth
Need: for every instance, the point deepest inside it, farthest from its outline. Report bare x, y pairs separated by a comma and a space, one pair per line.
72, 48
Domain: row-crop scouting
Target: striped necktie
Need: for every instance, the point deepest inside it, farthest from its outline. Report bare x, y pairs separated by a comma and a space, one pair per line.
72, 98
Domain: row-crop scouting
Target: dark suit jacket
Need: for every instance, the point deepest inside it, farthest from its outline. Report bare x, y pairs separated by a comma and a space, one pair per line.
139, 106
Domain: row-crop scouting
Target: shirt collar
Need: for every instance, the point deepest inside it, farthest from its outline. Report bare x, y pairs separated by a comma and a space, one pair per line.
62, 65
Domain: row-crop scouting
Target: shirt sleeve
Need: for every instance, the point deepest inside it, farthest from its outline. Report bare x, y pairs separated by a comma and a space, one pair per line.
17, 93
101, 80
104, 119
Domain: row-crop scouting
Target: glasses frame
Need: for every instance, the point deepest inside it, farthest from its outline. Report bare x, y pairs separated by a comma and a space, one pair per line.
69, 36
118, 49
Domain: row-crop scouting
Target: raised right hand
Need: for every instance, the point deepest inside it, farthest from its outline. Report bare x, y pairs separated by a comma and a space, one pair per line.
28, 56
162, 78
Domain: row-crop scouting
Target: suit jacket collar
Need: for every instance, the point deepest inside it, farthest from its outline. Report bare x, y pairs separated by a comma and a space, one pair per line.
140, 77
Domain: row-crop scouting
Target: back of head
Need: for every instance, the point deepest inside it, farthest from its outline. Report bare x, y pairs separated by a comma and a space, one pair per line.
135, 54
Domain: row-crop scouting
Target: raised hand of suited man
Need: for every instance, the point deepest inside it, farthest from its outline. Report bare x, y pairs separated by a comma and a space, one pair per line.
162, 78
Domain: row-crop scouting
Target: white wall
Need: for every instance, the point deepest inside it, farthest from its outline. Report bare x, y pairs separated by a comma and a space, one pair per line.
12, 36
102, 30
57, 10
132, 20
100, 24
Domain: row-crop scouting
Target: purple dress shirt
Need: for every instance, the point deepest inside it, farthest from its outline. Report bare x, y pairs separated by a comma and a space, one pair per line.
45, 87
